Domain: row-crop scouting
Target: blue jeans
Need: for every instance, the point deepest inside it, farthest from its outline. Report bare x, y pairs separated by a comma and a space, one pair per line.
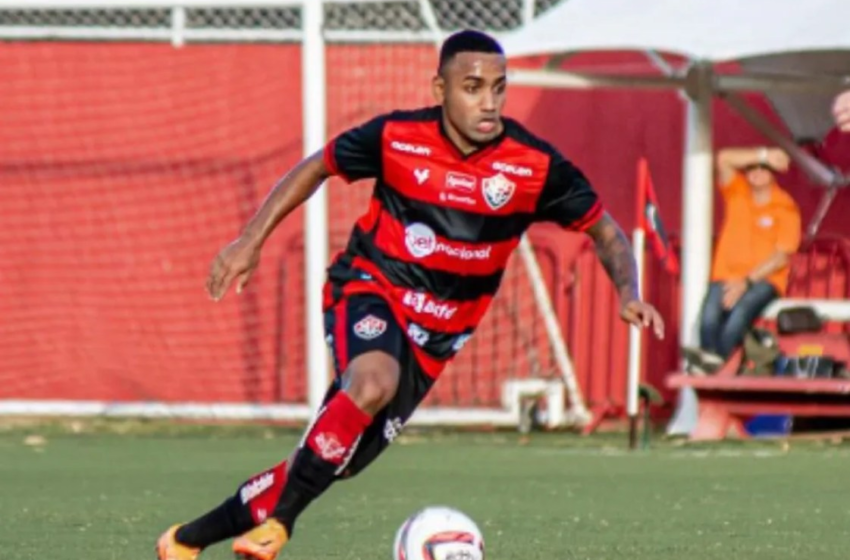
722, 330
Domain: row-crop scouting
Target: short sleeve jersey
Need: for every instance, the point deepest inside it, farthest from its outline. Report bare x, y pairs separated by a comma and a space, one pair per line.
441, 225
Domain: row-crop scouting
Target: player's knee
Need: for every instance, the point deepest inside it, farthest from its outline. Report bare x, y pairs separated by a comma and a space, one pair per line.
373, 382
374, 390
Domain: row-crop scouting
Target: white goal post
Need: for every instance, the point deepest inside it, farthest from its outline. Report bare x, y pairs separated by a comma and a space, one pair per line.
173, 24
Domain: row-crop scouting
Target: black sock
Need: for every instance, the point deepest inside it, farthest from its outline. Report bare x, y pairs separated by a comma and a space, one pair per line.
228, 520
309, 477
247, 508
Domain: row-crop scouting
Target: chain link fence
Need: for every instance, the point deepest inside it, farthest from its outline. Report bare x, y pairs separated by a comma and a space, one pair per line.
490, 15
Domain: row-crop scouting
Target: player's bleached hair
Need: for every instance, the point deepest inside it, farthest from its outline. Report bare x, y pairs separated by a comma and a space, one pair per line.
468, 40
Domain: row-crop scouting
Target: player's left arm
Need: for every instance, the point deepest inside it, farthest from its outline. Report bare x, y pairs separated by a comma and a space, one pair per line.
615, 253
569, 200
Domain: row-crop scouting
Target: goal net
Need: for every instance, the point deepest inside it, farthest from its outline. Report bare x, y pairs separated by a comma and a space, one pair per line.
138, 143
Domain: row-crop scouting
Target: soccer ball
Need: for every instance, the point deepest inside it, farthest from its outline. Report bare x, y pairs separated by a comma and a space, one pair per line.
438, 533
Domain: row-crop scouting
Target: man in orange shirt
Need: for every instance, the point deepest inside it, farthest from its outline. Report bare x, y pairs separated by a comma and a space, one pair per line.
760, 232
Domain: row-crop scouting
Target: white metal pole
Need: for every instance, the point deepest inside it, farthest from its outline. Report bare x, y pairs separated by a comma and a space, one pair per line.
527, 11
178, 26
429, 16
697, 221
316, 208
553, 331
638, 245
698, 202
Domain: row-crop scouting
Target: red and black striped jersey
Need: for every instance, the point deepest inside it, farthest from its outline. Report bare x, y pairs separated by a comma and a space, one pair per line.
441, 225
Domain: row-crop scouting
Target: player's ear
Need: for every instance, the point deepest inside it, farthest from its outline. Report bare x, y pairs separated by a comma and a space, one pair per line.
438, 88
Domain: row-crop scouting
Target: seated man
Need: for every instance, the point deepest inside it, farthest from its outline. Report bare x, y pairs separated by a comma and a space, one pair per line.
760, 232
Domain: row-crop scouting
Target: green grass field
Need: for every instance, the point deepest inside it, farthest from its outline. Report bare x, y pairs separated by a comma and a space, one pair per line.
107, 492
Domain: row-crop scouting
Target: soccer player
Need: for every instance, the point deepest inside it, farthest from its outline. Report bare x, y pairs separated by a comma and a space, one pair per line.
456, 185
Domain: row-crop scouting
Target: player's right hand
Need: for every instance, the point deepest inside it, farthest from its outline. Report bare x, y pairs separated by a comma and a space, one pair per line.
236, 261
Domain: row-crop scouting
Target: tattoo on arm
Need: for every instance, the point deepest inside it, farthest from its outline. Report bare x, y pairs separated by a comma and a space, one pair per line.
615, 253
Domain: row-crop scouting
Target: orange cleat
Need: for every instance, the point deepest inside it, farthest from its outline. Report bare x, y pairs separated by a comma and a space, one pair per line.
167, 547
263, 542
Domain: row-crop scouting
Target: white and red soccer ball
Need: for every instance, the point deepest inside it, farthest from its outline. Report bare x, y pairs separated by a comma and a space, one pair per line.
438, 533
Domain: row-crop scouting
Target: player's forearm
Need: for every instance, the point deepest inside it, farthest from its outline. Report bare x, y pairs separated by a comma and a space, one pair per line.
288, 194
776, 261
615, 253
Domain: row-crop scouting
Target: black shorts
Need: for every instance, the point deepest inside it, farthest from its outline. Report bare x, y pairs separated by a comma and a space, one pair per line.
362, 323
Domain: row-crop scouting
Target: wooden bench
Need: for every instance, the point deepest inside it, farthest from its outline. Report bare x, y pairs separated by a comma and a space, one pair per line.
726, 400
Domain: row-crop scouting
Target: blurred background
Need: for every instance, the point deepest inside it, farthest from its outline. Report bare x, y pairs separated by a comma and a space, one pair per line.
139, 137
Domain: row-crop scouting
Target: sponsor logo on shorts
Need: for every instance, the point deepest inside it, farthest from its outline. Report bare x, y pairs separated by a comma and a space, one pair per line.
255, 487
421, 241
370, 327
417, 334
393, 428
460, 342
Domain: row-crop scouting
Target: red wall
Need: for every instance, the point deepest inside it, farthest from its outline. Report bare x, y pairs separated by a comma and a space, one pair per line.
124, 168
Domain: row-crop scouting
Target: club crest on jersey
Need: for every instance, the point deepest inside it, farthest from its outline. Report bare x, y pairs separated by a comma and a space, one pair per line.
370, 327
497, 190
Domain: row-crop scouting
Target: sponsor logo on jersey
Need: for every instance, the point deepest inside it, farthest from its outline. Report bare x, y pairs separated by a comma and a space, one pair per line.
410, 148
421, 175
460, 182
421, 242
421, 303
459, 188
511, 169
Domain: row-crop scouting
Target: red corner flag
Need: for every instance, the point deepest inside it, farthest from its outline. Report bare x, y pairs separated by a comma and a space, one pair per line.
649, 219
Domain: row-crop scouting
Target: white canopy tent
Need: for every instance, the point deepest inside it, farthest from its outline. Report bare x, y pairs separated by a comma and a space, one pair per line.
793, 51
796, 53
716, 30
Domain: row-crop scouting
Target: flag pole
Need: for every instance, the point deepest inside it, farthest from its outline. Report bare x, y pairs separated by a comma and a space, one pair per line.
638, 248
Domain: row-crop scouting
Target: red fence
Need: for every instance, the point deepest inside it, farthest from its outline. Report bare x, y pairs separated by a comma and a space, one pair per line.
124, 168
